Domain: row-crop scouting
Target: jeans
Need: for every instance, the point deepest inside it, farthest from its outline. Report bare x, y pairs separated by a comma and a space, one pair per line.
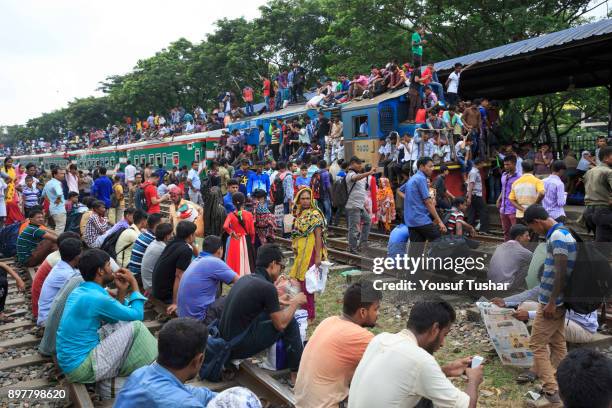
261, 334
599, 219
438, 89
354, 217
336, 215
249, 109
466, 166
452, 98
479, 208
267, 103
417, 60
261, 150
493, 188
325, 206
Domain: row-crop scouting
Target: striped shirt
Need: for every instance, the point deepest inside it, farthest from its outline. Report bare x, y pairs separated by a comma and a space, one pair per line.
554, 196
456, 216
30, 196
559, 241
525, 191
138, 249
28, 240
95, 227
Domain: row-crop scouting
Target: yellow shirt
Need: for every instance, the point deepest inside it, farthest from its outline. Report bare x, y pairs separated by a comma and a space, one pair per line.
525, 191
118, 190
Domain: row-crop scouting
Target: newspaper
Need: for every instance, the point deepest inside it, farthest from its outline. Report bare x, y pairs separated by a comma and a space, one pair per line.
509, 335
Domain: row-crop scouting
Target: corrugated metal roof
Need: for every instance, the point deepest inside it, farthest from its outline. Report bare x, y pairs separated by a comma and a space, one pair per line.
582, 32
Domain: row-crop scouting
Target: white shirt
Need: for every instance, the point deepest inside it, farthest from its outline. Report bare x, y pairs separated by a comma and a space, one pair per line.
130, 172
453, 82
584, 164
395, 372
194, 178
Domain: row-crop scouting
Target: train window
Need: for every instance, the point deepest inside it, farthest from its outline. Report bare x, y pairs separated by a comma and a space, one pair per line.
197, 155
175, 159
112, 161
97, 163
151, 159
164, 159
143, 160
136, 160
386, 119
360, 126
158, 160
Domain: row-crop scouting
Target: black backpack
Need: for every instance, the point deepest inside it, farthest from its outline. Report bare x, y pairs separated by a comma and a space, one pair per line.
140, 201
590, 283
110, 243
277, 191
8, 239
341, 192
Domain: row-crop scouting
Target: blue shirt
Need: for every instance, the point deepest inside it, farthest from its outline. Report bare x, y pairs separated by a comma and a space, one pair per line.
102, 190
138, 249
53, 190
559, 241
87, 308
415, 193
153, 386
199, 284
258, 182
59, 275
228, 203
302, 181
243, 179
397, 241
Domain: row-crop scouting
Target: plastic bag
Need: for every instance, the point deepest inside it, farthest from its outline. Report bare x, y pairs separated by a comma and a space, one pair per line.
316, 278
276, 357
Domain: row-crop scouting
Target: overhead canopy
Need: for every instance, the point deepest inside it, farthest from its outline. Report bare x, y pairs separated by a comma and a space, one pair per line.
579, 57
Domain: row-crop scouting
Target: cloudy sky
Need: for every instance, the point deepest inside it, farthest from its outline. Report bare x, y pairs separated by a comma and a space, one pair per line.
53, 51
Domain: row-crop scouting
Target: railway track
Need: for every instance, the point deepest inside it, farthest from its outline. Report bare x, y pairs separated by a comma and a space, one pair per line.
23, 368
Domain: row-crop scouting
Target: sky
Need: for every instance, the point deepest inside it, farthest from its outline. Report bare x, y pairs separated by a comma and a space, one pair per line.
53, 51
58, 50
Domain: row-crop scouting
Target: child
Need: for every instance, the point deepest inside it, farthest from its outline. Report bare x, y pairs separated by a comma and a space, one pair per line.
31, 195
265, 222
303, 180
456, 224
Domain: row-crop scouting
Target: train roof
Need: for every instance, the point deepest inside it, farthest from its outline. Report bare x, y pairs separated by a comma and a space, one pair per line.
366, 103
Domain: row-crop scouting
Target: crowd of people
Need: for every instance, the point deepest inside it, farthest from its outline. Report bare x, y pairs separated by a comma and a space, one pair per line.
103, 242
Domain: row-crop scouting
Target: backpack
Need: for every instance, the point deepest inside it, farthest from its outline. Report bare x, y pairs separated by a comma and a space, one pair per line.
218, 352
277, 191
140, 201
8, 239
316, 185
341, 192
110, 243
590, 283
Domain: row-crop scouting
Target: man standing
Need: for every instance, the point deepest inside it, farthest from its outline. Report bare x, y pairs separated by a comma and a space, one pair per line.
193, 178
322, 131
443, 197
55, 194
417, 47
452, 85
72, 178
419, 207
149, 188
335, 348
598, 197
130, 173
242, 175
601, 143
526, 191
507, 211
232, 188
399, 370
475, 201
554, 196
356, 213
103, 188
548, 332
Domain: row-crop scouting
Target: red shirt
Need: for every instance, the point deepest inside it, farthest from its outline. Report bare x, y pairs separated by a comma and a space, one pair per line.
150, 192
266, 87
39, 279
247, 94
426, 74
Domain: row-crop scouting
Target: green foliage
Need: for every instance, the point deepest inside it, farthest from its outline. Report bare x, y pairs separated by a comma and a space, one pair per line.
328, 37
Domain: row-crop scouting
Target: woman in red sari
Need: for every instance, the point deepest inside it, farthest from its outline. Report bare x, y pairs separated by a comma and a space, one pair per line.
240, 226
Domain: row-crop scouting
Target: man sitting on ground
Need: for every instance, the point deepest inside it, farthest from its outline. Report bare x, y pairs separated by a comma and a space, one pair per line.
126, 345
35, 242
181, 345
335, 348
172, 263
253, 306
97, 225
198, 288
456, 224
45, 269
399, 370
123, 246
584, 378
66, 268
142, 243
511, 259
163, 234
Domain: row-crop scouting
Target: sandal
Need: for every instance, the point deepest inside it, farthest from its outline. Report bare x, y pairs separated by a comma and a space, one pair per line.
526, 377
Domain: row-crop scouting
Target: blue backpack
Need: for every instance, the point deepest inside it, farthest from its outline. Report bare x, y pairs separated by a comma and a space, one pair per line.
218, 351
8, 239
